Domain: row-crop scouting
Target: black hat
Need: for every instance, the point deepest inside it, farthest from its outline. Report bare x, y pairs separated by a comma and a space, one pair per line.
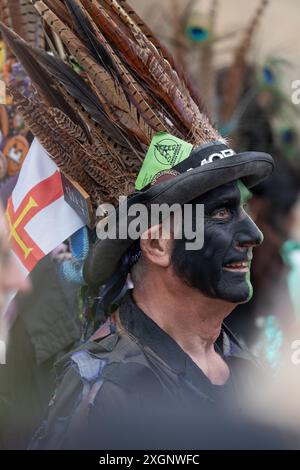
207, 168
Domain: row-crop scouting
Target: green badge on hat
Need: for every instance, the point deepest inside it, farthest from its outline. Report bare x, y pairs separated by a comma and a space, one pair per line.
164, 152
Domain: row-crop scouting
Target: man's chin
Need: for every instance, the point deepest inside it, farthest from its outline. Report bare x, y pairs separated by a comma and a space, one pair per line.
234, 296
236, 299
239, 293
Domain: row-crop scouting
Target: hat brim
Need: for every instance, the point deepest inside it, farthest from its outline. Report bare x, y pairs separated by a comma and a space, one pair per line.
250, 167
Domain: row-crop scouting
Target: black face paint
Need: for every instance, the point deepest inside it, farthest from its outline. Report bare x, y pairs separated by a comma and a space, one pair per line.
221, 269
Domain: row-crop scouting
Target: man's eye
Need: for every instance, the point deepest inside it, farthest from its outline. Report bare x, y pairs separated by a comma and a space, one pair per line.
222, 213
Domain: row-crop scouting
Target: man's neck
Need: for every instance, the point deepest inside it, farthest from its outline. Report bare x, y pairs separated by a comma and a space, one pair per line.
191, 319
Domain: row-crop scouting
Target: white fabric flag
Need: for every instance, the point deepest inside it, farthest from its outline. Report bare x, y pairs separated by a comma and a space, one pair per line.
39, 217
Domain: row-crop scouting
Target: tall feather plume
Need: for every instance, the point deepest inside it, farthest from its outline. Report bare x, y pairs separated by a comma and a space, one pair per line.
143, 57
110, 93
111, 62
85, 103
233, 81
97, 120
38, 64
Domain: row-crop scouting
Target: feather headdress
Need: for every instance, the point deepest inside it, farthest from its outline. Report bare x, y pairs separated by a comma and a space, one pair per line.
97, 124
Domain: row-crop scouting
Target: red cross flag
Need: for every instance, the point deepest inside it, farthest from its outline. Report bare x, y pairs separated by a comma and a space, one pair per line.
39, 218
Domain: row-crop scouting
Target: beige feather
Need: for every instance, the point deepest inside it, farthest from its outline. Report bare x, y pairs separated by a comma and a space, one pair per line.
234, 79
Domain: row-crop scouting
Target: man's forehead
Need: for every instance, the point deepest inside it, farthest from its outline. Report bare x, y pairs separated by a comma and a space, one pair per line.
244, 192
232, 190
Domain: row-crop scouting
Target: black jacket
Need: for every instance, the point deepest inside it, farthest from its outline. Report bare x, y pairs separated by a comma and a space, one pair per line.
136, 388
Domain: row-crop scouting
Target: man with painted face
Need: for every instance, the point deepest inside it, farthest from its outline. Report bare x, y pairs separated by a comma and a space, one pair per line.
164, 365
169, 371
211, 280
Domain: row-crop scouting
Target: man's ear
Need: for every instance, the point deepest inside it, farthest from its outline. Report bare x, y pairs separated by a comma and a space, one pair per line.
157, 246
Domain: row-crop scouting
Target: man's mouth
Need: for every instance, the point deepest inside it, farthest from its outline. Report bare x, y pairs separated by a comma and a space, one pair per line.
241, 267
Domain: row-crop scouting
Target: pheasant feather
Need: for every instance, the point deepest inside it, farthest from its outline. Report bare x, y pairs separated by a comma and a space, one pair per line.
20, 16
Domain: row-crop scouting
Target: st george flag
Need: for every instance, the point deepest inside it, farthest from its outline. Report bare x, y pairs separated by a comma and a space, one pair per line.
38, 216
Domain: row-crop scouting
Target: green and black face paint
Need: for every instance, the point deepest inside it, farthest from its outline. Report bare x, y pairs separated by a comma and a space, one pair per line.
221, 268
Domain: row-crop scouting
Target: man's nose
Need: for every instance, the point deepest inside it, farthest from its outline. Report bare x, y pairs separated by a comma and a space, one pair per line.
249, 234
